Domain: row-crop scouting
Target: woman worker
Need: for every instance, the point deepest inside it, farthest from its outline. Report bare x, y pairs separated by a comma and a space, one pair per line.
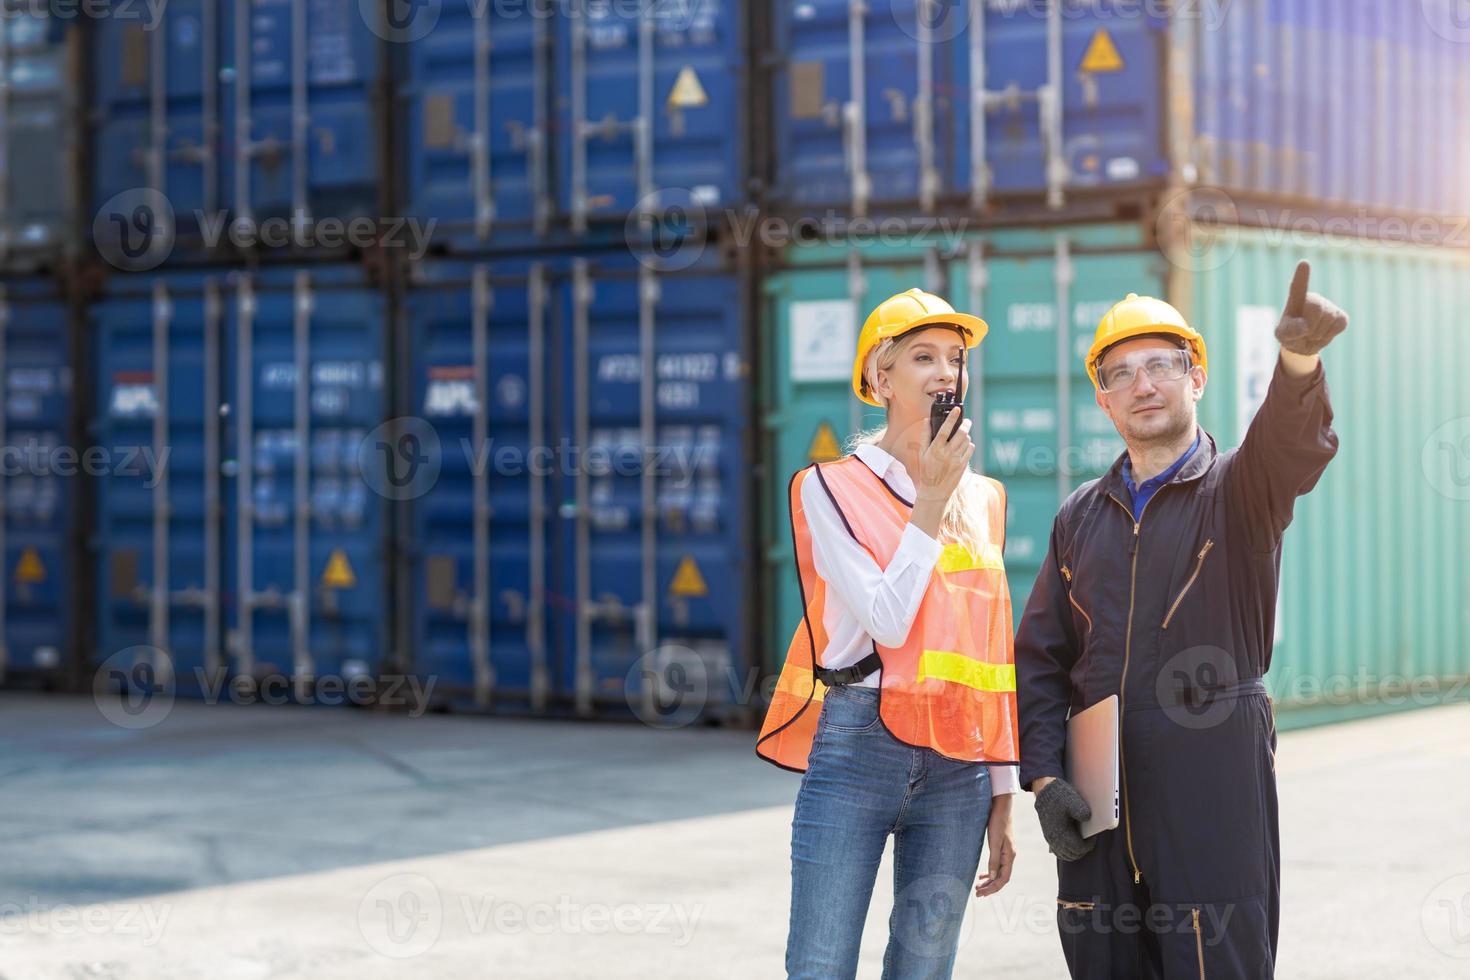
898, 696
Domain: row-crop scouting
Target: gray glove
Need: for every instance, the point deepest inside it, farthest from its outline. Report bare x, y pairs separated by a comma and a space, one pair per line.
1061, 808
1309, 321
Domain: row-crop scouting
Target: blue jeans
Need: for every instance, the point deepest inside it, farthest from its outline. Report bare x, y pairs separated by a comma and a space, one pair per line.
861, 785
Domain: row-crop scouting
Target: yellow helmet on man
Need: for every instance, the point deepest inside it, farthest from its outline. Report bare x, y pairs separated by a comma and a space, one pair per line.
896, 316
1139, 316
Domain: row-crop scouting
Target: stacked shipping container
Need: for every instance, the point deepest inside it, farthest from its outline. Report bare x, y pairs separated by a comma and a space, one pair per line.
507, 447
544, 128
918, 106
234, 351
39, 423
1030, 129
1393, 500
239, 109
551, 553
589, 525
278, 562
247, 394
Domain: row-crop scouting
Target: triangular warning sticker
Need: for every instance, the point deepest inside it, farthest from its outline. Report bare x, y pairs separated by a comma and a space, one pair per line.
1102, 54
824, 445
339, 574
30, 569
687, 579
687, 92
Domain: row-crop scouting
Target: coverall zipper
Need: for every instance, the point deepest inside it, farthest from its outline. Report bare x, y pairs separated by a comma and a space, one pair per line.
1123, 684
1199, 944
1067, 574
1081, 610
1200, 563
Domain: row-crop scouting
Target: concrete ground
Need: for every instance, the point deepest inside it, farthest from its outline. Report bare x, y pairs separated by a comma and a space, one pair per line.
235, 842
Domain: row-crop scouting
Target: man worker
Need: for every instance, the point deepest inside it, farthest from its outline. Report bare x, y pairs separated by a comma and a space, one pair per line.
1160, 587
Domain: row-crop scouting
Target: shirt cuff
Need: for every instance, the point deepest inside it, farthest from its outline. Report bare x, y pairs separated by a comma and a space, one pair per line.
918, 547
1303, 387
1004, 780
1034, 773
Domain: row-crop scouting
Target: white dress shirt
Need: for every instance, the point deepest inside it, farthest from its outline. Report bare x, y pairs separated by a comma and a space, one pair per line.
866, 603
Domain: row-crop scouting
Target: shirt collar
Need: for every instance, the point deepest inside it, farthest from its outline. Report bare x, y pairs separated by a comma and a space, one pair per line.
1166, 475
887, 466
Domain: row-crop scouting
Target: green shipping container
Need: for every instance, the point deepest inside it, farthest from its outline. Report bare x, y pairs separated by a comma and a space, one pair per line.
1375, 600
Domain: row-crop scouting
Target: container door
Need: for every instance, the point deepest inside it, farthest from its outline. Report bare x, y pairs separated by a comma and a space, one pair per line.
1059, 100
158, 578
654, 103
477, 153
37, 487
36, 138
653, 546
301, 132
157, 110
480, 549
866, 100
307, 531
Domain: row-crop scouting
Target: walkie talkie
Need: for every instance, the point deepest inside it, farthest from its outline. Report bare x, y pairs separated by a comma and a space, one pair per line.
944, 403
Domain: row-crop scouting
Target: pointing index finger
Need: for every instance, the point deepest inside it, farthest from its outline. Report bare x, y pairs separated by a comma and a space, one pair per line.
1296, 300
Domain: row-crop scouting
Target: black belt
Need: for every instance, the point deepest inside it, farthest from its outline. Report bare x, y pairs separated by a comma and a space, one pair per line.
849, 675
1197, 696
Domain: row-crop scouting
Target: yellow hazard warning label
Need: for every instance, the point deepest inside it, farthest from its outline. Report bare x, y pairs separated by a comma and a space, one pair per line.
339, 574
687, 92
30, 569
1102, 54
687, 579
824, 445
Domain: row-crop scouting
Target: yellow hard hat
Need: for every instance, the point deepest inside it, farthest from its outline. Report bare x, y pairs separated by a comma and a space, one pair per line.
897, 315
1139, 315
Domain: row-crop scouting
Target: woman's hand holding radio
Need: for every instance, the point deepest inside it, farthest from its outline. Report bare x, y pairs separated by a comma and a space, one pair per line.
942, 465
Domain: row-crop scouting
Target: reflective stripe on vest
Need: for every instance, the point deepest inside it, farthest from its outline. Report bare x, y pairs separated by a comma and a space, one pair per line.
951, 685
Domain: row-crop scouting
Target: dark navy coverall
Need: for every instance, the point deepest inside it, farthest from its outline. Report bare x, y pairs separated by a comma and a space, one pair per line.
1175, 614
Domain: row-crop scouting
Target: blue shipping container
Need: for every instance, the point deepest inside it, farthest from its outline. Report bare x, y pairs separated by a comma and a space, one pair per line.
552, 568
575, 117
38, 481
477, 152
243, 477
37, 138
258, 108
1349, 103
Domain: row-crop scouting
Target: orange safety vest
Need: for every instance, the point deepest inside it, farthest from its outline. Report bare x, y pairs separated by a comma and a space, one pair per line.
951, 685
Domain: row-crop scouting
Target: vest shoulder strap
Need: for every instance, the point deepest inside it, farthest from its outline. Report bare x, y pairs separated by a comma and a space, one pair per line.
835, 470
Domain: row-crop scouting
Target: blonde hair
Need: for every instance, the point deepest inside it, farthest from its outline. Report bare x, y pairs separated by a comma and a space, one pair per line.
965, 516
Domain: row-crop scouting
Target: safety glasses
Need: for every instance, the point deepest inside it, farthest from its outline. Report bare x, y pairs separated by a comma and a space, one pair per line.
1160, 364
